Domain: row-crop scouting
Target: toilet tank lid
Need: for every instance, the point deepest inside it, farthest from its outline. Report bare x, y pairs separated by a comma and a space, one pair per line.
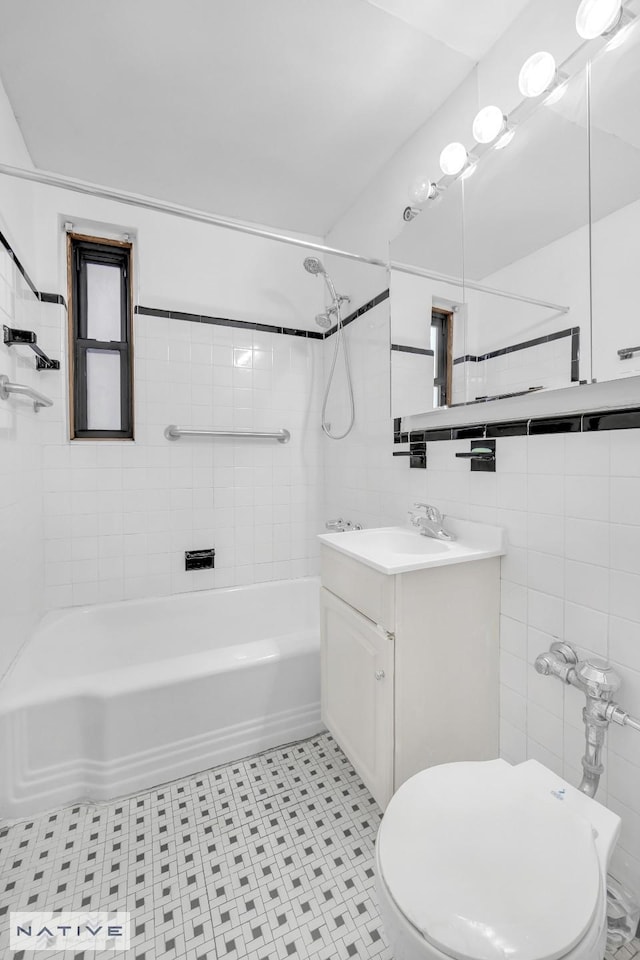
485, 868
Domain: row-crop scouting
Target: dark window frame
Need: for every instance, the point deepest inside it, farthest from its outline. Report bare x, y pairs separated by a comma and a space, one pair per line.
83, 250
442, 320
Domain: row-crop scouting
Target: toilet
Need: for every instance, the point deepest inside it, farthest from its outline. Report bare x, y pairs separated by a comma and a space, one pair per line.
487, 861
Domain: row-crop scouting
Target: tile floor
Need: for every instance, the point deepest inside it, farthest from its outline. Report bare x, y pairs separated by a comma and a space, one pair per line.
265, 859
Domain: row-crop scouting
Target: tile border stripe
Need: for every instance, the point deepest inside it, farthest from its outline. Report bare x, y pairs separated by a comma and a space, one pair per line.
622, 418
45, 297
403, 348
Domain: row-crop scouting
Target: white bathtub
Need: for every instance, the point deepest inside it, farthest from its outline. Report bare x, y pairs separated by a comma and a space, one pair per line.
111, 699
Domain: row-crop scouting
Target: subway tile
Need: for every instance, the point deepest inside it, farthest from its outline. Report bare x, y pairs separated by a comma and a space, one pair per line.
513, 742
513, 708
625, 500
546, 533
588, 454
587, 540
546, 454
513, 672
545, 494
624, 642
544, 727
625, 453
625, 547
551, 759
587, 498
513, 637
625, 595
587, 585
545, 573
586, 628
513, 602
545, 613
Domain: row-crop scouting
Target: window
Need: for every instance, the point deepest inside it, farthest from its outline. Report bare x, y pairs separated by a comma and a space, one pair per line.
100, 335
441, 344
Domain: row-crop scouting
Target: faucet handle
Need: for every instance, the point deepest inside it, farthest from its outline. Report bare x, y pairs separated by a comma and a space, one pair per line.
432, 512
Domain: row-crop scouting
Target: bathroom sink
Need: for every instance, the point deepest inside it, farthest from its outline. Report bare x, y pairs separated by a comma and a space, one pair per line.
394, 550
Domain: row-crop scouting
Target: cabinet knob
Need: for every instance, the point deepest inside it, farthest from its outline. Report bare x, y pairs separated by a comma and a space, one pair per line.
380, 674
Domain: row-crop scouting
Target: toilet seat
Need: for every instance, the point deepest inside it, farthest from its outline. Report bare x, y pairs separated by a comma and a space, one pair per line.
484, 867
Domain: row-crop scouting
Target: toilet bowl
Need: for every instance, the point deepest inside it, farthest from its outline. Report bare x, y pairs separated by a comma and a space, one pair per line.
484, 860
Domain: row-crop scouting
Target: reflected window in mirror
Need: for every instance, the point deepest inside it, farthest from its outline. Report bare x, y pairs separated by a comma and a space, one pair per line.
441, 344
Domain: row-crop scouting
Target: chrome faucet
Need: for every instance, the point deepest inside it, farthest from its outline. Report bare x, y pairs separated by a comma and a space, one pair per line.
429, 523
341, 526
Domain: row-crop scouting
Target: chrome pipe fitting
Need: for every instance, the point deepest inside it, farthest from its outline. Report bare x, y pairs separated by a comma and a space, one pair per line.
599, 682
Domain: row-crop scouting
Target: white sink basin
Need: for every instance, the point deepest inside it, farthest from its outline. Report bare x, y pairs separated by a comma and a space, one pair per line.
394, 550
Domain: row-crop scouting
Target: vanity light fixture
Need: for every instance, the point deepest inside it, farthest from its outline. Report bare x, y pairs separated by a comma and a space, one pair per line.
453, 159
489, 123
538, 74
597, 18
621, 30
423, 189
505, 139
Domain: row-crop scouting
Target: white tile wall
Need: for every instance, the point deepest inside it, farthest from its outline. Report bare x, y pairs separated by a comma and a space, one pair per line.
571, 508
21, 558
120, 515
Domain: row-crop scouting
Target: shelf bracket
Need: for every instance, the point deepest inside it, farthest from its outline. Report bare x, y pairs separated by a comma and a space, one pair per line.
13, 337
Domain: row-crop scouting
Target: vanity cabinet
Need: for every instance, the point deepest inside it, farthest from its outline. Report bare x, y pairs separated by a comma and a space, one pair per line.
409, 665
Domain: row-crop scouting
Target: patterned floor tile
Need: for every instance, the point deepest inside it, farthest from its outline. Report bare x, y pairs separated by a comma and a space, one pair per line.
269, 858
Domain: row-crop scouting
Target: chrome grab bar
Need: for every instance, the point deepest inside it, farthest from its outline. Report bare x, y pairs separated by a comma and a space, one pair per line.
20, 389
172, 432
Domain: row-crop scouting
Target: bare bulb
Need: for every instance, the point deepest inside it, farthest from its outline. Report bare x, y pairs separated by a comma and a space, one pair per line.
422, 189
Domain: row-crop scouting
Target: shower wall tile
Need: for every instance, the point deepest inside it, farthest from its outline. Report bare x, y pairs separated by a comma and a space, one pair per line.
120, 515
570, 506
21, 520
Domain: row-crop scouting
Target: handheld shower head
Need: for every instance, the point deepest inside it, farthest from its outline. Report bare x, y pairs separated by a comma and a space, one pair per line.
314, 266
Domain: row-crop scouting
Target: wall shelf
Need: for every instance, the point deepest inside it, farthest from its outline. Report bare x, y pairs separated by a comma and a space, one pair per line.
13, 337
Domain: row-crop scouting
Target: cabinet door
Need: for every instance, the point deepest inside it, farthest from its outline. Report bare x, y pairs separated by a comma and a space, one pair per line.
357, 691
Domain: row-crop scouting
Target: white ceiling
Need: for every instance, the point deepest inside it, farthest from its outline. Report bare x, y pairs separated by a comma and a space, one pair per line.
469, 26
274, 111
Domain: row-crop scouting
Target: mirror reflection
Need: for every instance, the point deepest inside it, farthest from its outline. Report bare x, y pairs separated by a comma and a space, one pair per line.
615, 200
513, 240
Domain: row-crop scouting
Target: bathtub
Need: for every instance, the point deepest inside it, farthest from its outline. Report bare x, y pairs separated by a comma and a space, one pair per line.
108, 700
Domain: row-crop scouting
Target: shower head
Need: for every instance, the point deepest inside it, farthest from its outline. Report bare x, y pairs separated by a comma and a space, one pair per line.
314, 266
323, 320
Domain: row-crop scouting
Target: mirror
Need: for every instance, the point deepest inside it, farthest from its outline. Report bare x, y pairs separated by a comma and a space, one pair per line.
526, 232
615, 200
520, 317
427, 315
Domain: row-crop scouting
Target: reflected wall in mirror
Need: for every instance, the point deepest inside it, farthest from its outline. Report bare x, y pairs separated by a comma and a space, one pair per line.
427, 314
513, 243
615, 201
526, 234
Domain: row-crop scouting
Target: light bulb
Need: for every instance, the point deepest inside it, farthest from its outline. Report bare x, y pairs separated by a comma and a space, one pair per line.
505, 139
422, 189
453, 159
620, 34
557, 92
489, 123
537, 74
597, 17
